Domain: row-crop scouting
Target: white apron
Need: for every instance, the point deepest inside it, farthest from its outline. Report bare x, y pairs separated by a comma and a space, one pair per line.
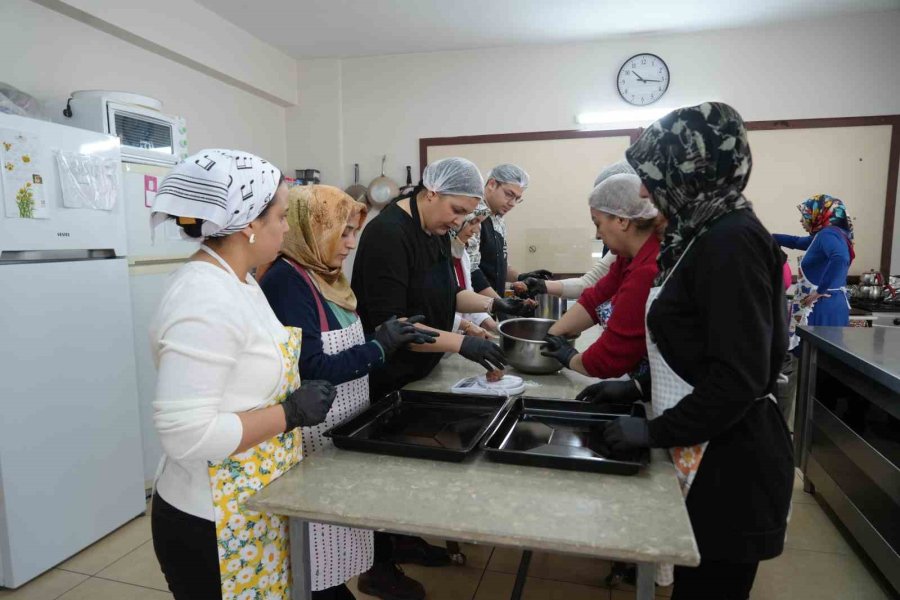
337, 553
799, 314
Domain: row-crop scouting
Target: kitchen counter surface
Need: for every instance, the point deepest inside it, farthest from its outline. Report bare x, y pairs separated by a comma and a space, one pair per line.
564, 384
637, 518
874, 351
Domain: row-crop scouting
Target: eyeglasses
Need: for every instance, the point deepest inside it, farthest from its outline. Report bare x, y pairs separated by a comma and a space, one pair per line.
511, 195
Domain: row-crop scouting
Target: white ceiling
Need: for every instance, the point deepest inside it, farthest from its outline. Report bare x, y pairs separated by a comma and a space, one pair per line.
345, 28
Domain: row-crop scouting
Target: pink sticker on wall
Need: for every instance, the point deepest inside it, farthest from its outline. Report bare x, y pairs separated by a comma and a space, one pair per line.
150, 183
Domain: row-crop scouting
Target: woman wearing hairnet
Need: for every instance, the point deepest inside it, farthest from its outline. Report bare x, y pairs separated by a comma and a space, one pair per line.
571, 288
626, 223
403, 268
718, 334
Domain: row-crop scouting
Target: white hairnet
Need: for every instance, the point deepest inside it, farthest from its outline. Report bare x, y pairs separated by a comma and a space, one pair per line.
619, 195
509, 174
455, 176
621, 167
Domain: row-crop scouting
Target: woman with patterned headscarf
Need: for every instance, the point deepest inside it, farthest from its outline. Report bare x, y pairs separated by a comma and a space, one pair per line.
822, 297
307, 289
228, 397
716, 338
477, 324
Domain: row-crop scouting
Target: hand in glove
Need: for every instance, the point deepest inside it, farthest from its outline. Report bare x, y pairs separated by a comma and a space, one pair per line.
485, 353
539, 274
610, 392
309, 404
626, 433
512, 306
536, 286
560, 348
394, 334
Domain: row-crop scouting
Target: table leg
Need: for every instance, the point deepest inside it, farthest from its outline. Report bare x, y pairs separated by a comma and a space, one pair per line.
301, 577
646, 581
521, 575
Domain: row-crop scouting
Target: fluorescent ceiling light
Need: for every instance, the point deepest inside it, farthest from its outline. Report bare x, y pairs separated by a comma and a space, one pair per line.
634, 115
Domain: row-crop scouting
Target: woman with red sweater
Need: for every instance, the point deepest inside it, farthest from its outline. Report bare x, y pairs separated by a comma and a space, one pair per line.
626, 223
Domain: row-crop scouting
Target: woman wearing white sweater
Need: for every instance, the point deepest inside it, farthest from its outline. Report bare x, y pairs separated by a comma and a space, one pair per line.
228, 400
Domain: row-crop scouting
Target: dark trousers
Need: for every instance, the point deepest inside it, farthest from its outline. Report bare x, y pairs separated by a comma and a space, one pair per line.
185, 547
714, 580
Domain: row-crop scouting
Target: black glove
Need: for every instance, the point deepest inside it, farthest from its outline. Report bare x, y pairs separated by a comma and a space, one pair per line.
394, 334
560, 348
485, 353
610, 392
309, 404
536, 286
539, 274
626, 433
511, 306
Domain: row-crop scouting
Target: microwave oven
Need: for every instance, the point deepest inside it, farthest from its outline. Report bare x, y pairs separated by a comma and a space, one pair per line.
147, 135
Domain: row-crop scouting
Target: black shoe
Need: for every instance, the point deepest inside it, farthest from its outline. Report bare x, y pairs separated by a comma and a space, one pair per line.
415, 550
387, 581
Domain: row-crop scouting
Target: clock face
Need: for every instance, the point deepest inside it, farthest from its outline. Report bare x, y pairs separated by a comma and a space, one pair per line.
643, 79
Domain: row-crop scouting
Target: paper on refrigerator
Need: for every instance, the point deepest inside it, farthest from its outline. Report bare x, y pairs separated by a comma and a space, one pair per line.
22, 166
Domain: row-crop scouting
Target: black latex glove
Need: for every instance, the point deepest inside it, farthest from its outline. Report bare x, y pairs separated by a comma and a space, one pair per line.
626, 433
536, 286
484, 352
539, 274
560, 348
610, 392
394, 334
511, 306
309, 404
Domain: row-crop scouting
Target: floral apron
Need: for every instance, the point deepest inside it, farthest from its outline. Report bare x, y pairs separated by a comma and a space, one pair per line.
254, 548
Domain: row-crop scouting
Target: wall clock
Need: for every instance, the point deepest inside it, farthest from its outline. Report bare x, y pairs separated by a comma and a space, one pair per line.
643, 79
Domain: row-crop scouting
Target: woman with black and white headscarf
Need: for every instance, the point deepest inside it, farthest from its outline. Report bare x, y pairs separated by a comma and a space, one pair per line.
228, 395
717, 334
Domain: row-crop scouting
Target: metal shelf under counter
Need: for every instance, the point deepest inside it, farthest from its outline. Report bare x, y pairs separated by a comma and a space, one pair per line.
847, 433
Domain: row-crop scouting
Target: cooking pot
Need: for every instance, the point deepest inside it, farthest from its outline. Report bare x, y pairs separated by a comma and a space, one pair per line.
550, 307
871, 292
522, 341
871, 278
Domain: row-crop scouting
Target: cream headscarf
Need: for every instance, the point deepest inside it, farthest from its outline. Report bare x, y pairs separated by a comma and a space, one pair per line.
317, 217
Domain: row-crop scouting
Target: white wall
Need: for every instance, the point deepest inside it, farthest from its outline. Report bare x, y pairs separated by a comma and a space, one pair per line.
49, 55
828, 68
313, 127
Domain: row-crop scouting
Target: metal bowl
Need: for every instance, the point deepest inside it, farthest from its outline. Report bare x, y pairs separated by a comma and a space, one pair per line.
522, 339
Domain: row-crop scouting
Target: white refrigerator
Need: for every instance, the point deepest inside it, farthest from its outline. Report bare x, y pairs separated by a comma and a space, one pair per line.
151, 260
70, 439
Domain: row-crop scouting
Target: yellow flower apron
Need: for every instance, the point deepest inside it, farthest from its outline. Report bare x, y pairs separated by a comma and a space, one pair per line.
254, 549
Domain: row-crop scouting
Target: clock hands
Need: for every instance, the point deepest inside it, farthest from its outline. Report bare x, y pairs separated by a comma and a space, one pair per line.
642, 80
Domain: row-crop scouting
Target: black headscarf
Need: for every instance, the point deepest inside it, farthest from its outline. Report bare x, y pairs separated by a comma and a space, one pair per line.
695, 162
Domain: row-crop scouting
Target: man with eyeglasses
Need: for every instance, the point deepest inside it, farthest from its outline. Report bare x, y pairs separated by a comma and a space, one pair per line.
488, 250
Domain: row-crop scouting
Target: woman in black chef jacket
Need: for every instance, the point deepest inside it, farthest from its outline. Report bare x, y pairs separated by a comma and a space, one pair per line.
717, 334
404, 267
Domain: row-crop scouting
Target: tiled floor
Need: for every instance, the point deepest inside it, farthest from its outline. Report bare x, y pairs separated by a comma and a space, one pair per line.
818, 564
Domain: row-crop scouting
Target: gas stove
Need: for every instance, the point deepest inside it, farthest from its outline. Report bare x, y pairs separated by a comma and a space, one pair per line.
886, 312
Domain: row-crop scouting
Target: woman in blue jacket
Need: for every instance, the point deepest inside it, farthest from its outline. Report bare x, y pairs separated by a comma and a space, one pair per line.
822, 295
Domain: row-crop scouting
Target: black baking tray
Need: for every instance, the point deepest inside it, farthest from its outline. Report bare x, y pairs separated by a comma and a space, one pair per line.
560, 434
435, 425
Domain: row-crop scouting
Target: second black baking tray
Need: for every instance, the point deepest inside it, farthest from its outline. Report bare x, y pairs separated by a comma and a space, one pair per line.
434, 425
562, 435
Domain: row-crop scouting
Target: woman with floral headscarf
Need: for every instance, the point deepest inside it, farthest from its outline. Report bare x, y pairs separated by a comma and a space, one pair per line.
307, 289
716, 339
829, 252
